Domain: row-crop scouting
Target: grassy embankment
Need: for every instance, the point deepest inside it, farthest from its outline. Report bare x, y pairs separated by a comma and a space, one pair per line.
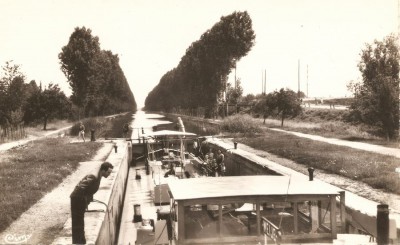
374, 169
27, 173
332, 123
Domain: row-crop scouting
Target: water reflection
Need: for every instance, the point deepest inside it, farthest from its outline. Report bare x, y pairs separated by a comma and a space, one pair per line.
144, 122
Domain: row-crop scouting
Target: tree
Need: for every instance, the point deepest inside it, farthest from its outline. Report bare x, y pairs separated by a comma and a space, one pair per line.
10, 72
77, 63
284, 103
249, 99
288, 104
301, 95
376, 98
234, 95
48, 104
266, 105
11, 94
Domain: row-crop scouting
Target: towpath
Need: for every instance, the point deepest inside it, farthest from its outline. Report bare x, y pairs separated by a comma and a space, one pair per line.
356, 145
12, 144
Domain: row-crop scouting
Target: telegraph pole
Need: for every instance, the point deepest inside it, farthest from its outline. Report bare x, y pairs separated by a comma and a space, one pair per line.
235, 75
265, 81
307, 81
298, 77
262, 82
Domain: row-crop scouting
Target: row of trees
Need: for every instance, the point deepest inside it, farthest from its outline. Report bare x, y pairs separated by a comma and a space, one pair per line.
201, 75
29, 102
192, 84
98, 83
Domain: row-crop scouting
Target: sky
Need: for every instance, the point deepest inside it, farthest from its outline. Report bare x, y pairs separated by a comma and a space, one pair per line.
150, 38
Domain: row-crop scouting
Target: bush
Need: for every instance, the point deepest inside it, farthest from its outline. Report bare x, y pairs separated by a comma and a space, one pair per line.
241, 124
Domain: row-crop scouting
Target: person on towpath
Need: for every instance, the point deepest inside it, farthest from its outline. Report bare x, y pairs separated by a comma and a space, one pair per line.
81, 131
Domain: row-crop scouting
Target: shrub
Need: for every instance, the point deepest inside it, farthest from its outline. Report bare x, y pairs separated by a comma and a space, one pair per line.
241, 124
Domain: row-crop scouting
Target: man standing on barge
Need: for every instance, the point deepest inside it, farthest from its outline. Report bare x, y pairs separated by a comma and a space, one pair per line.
220, 163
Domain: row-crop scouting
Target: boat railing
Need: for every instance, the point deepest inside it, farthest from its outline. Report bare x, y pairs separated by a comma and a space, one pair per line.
271, 230
153, 154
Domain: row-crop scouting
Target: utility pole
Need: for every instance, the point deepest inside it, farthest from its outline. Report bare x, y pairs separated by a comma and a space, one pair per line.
307, 80
262, 82
235, 76
265, 81
298, 77
226, 97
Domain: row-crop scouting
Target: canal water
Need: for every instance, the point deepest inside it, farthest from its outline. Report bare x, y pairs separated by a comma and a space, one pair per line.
139, 191
143, 123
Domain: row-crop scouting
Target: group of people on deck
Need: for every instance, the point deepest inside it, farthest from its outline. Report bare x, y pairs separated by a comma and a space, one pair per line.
215, 165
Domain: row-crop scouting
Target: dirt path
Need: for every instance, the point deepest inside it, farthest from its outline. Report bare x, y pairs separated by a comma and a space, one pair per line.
50, 133
355, 187
42, 222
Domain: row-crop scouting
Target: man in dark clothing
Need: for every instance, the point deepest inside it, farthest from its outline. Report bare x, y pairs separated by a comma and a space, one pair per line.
220, 163
125, 130
80, 199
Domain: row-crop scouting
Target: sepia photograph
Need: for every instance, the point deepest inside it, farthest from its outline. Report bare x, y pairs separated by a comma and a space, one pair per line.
154, 122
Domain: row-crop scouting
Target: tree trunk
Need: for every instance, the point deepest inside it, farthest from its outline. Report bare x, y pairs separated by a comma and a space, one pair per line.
45, 123
283, 117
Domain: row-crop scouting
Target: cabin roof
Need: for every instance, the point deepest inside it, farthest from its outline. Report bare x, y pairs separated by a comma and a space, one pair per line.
234, 186
168, 133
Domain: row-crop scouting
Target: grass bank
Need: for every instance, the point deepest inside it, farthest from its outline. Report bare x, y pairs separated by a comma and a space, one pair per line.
27, 173
374, 169
332, 123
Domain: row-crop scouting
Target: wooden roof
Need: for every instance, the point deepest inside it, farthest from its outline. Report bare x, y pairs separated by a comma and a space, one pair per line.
236, 186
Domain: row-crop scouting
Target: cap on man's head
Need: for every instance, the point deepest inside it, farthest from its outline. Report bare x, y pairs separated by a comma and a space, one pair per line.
105, 166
